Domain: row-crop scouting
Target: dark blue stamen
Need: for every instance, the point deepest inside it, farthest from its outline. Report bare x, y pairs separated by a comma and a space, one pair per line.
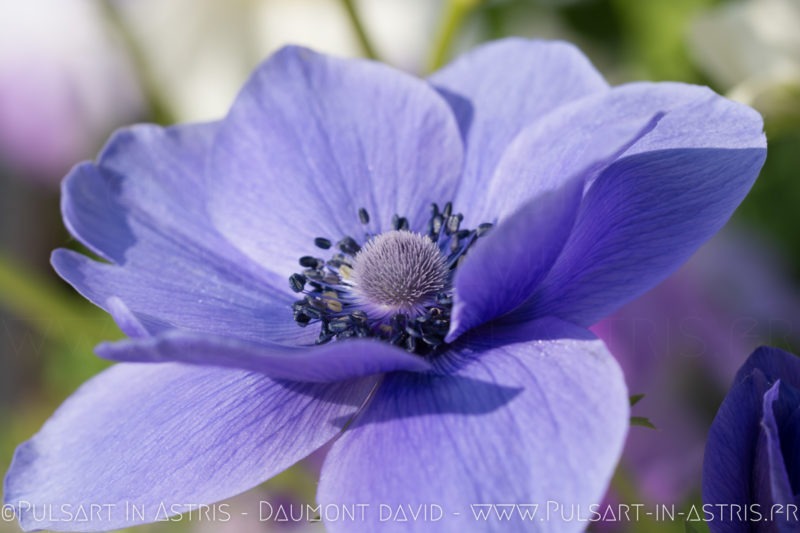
399, 223
349, 246
333, 301
310, 262
321, 242
297, 282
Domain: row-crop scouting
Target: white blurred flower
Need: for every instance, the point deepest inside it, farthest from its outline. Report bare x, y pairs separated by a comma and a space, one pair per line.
199, 52
752, 49
65, 83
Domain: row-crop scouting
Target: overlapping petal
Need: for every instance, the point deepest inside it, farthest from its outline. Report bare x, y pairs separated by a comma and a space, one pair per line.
311, 139
154, 436
650, 210
772, 480
519, 422
142, 207
327, 363
752, 455
499, 89
505, 267
190, 294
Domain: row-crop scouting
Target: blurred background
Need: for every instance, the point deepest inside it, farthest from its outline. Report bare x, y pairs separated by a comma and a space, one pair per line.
71, 71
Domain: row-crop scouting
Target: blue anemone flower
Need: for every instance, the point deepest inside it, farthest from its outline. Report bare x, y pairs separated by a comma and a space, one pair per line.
446, 244
751, 471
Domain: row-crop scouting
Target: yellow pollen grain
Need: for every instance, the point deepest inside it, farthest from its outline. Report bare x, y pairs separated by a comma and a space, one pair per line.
345, 272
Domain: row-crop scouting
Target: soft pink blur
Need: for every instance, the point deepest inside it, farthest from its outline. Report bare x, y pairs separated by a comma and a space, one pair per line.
66, 81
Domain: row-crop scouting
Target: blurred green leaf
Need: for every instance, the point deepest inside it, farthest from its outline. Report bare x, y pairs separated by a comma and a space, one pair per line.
453, 17
655, 36
642, 421
636, 398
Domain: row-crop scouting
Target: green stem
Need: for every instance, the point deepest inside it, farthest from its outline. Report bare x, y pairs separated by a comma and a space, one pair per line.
159, 108
361, 32
455, 13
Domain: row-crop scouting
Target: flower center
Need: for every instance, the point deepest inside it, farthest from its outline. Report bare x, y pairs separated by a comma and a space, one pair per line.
399, 272
397, 287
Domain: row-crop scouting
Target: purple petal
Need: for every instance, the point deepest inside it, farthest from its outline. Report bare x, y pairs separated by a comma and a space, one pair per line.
730, 452
128, 322
500, 88
646, 213
331, 362
751, 453
142, 207
516, 422
189, 295
142, 193
311, 139
504, 268
774, 364
145, 435
777, 404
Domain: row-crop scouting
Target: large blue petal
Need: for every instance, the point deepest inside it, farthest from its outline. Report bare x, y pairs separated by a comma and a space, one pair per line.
311, 139
505, 267
148, 435
330, 362
191, 294
142, 207
517, 422
500, 88
142, 194
648, 212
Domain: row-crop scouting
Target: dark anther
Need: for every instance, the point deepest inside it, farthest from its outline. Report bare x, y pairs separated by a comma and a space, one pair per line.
302, 319
312, 274
297, 282
363, 216
311, 262
413, 332
313, 313
483, 228
349, 246
339, 325
324, 336
436, 225
321, 242
318, 303
359, 317
411, 344
399, 223
453, 223
399, 321
448, 210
